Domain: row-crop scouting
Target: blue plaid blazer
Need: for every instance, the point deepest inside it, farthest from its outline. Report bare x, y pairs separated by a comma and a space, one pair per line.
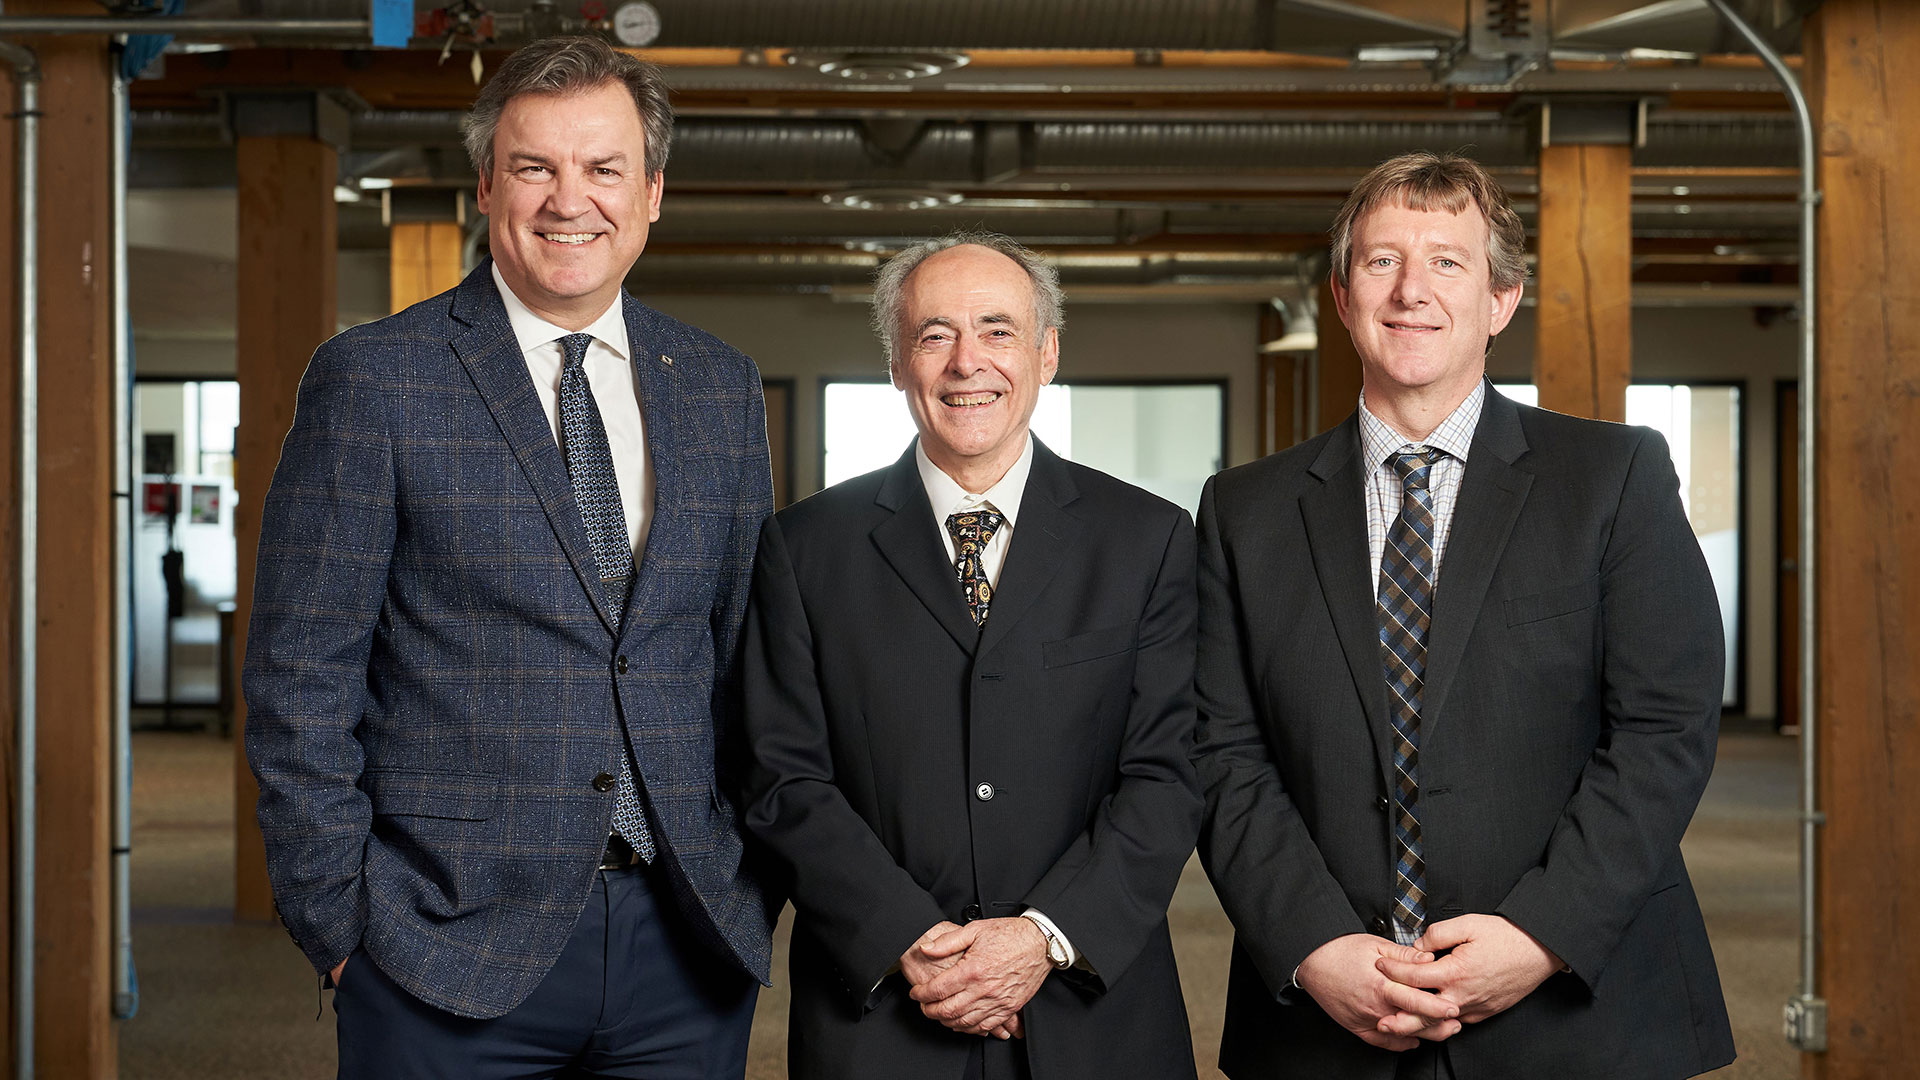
432, 678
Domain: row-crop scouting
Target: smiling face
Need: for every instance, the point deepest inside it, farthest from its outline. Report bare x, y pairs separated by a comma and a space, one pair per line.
1420, 304
971, 361
568, 202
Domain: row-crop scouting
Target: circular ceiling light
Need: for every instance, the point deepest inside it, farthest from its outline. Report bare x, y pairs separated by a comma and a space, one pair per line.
891, 198
879, 67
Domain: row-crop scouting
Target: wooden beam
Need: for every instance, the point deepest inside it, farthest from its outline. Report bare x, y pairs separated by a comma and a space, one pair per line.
425, 261
73, 1030
1583, 347
287, 301
1867, 547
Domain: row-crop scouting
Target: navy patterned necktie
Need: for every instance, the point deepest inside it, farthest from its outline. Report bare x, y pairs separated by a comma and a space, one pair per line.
1405, 612
972, 531
597, 492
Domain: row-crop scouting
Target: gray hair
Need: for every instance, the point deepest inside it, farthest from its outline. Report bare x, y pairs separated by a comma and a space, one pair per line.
889, 284
571, 65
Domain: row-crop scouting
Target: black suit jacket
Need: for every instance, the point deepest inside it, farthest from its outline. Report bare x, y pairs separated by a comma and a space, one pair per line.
1572, 702
911, 769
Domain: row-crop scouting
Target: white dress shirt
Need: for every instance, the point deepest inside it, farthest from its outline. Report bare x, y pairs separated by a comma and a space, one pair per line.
947, 498
1379, 443
609, 367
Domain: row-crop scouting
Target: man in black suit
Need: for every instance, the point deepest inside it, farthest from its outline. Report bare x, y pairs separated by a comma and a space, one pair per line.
969, 704
1459, 676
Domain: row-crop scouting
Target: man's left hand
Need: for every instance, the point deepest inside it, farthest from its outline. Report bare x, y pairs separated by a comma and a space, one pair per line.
1492, 966
1004, 964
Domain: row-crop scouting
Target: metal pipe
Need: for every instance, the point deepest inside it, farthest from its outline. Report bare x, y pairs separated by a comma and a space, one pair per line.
121, 502
1806, 1014
26, 79
183, 26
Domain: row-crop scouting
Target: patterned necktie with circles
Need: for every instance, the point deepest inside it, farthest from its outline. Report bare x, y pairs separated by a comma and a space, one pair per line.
597, 492
1405, 612
972, 531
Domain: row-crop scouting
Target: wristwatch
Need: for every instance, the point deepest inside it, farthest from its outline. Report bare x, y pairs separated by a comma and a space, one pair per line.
1056, 949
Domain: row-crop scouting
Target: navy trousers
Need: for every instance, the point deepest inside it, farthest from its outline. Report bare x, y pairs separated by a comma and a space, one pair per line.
633, 995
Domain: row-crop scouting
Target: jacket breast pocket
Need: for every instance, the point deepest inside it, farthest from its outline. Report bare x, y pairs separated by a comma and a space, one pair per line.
448, 796
1553, 602
1091, 645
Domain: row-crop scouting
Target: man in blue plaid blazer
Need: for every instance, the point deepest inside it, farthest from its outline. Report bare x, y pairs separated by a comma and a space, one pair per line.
493, 751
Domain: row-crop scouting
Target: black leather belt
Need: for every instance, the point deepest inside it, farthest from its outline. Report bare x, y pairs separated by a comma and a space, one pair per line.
619, 855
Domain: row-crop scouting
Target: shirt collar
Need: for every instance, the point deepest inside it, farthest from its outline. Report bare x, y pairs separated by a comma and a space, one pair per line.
948, 497
1454, 435
532, 331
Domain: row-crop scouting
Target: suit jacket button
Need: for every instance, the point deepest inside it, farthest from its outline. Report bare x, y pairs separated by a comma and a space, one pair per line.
970, 913
1380, 926
984, 792
1381, 804
603, 782
620, 665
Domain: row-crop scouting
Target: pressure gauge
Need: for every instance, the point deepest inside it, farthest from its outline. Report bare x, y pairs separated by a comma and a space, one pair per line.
636, 23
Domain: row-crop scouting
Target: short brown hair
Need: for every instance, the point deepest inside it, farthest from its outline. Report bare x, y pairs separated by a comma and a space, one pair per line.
1423, 181
571, 65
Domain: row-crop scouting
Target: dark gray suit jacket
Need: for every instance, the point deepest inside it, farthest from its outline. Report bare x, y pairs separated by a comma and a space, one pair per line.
433, 683
1572, 702
877, 711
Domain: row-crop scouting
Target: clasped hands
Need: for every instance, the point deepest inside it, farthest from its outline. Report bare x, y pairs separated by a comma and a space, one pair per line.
976, 978
1392, 996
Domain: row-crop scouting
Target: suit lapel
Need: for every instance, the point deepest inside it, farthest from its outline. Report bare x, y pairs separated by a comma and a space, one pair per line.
908, 542
492, 357
657, 378
1336, 519
1491, 495
1042, 539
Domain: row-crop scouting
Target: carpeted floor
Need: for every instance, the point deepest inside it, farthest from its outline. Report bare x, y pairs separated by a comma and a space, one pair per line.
223, 1001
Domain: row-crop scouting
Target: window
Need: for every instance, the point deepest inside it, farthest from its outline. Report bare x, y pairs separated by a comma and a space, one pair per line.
1165, 437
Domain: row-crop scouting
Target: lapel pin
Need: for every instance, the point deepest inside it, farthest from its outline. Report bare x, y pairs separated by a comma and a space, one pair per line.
667, 360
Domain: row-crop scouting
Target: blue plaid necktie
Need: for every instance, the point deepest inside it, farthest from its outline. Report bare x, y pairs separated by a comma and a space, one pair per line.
972, 531
1405, 611
597, 492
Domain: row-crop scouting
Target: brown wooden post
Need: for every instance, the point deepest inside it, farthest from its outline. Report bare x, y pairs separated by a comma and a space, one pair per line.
1583, 345
73, 1029
1337, 366
424, 260
1859, 57
9, 497
288, 162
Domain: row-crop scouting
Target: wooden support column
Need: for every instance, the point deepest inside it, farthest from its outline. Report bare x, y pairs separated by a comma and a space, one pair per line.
288, 162
73, 1029
1867, 555
1583, 347
9, 552
1337, 375
425, 260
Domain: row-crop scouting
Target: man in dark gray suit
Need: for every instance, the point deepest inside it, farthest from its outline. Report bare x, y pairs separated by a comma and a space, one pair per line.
969, 689
1459, 674
491, 675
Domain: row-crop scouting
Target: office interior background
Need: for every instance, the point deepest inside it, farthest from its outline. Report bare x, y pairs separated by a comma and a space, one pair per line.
205, 209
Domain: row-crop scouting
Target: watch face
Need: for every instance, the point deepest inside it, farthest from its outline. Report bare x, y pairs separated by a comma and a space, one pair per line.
636, 23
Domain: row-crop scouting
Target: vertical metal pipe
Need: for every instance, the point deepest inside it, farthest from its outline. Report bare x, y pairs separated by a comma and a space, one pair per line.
26, 77
121, 748
1806, 1013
